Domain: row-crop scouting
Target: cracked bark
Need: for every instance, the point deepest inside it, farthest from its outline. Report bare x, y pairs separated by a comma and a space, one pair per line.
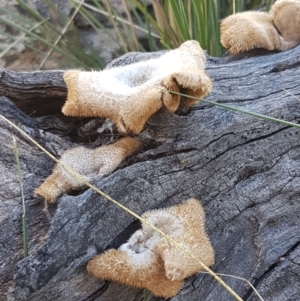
244, 170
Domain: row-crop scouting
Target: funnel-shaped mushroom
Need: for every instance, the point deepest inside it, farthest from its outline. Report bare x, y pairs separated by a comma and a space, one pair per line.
150, 261
129, 95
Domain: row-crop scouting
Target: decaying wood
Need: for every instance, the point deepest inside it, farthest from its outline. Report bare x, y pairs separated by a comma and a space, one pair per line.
244, 170
41, 92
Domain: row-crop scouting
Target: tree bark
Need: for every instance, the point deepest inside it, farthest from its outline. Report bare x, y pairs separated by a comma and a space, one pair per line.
244, 170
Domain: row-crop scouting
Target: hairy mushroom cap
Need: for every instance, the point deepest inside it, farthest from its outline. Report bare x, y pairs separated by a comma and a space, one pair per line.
247, 30
150, 261
130, 94
185, 223
276, 30
143, 270
89, 163
286, 18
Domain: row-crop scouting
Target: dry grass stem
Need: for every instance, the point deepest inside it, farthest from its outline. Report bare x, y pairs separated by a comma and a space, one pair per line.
121, 20
61, 35
21, 38
24, 223
288, 92
131, 25
242, 279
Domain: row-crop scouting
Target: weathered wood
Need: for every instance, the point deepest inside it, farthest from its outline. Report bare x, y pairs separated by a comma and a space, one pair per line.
41, 92
244, 170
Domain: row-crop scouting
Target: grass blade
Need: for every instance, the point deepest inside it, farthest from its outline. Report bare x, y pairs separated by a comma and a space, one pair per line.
43, 41
257, 115
135, 43
238, 110
181, 18
20, 39
213, 43
61, 35
269, 4
24, 223
238, 6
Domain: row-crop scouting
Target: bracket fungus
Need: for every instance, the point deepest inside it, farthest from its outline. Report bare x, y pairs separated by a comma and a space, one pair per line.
276, 30
149, 261
89, 163
129, 95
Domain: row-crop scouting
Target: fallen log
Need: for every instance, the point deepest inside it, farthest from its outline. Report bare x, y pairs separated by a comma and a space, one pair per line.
244, 170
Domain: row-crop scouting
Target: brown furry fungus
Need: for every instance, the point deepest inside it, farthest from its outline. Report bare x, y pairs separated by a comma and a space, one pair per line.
129, 95
276, 30
89, 163
150, 261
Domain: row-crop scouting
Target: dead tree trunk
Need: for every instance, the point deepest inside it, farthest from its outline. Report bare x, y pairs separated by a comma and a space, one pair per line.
244, 170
